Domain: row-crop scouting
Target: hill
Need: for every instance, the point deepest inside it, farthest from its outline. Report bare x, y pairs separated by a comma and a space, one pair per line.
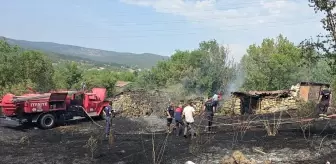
60, 58
145, 60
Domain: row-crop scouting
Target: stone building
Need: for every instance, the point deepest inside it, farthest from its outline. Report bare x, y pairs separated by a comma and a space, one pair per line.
258, 102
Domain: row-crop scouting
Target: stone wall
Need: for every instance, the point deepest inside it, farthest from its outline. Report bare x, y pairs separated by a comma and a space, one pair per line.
230, 106
265, 105
270, 105
142, 103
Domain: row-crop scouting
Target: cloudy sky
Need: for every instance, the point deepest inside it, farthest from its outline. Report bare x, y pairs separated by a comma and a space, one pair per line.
157, 26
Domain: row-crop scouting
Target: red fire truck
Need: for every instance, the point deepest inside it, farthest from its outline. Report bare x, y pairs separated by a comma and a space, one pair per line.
48, 109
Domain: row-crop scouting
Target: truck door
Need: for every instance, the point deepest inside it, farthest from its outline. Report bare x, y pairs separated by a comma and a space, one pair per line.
93, 103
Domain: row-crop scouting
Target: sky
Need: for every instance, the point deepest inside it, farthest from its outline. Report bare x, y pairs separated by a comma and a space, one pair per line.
158, 26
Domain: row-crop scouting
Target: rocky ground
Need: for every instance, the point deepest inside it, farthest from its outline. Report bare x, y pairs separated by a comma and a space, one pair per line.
133, 143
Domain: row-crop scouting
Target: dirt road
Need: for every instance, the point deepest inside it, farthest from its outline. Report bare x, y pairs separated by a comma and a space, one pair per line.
64, 145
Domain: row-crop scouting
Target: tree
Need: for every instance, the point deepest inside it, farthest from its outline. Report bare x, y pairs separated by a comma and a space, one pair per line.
271, 66
60, 78
145, 79
309, 58
204, 70
216, 71
37, 67
8, 64
315, 65
326, 44
126, 76
7, 48
73, 75
321, 72
24, 68
100, 78
9, 74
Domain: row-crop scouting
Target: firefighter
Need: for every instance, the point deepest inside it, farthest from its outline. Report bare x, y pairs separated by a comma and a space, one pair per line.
108, 112
188, 114
170, 115
215, 99
178, 119
83, 86
324, 102
209, 109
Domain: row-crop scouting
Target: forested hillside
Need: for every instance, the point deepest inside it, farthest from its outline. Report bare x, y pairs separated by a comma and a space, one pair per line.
145, 60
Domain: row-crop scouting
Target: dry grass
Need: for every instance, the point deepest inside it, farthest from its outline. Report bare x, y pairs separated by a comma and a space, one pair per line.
111, 139
25, 141
273, 127
241, 128
306, 109
270, 128
158, 150
92, 145
237, 157
69, 128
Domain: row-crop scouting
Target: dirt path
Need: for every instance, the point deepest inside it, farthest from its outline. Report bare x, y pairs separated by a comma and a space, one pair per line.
64, 145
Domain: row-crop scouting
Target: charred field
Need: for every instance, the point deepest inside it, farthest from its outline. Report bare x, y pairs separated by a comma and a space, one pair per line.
133, 143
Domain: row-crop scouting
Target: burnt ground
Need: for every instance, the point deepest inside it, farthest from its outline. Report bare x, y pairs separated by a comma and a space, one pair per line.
65, 145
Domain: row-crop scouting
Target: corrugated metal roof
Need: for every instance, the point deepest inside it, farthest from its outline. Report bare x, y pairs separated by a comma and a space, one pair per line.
314, 83
263, 93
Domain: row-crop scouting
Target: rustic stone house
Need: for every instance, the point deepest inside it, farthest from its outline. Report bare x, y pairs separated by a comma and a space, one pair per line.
258, 102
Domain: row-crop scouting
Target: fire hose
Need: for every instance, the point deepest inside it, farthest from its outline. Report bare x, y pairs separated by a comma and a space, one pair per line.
100, 126
93, 121
87, 114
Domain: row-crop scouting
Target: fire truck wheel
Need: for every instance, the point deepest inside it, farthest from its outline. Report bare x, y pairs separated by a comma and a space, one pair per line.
47, 121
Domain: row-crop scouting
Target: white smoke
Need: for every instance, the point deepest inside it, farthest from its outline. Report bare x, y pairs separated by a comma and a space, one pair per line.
235, 84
